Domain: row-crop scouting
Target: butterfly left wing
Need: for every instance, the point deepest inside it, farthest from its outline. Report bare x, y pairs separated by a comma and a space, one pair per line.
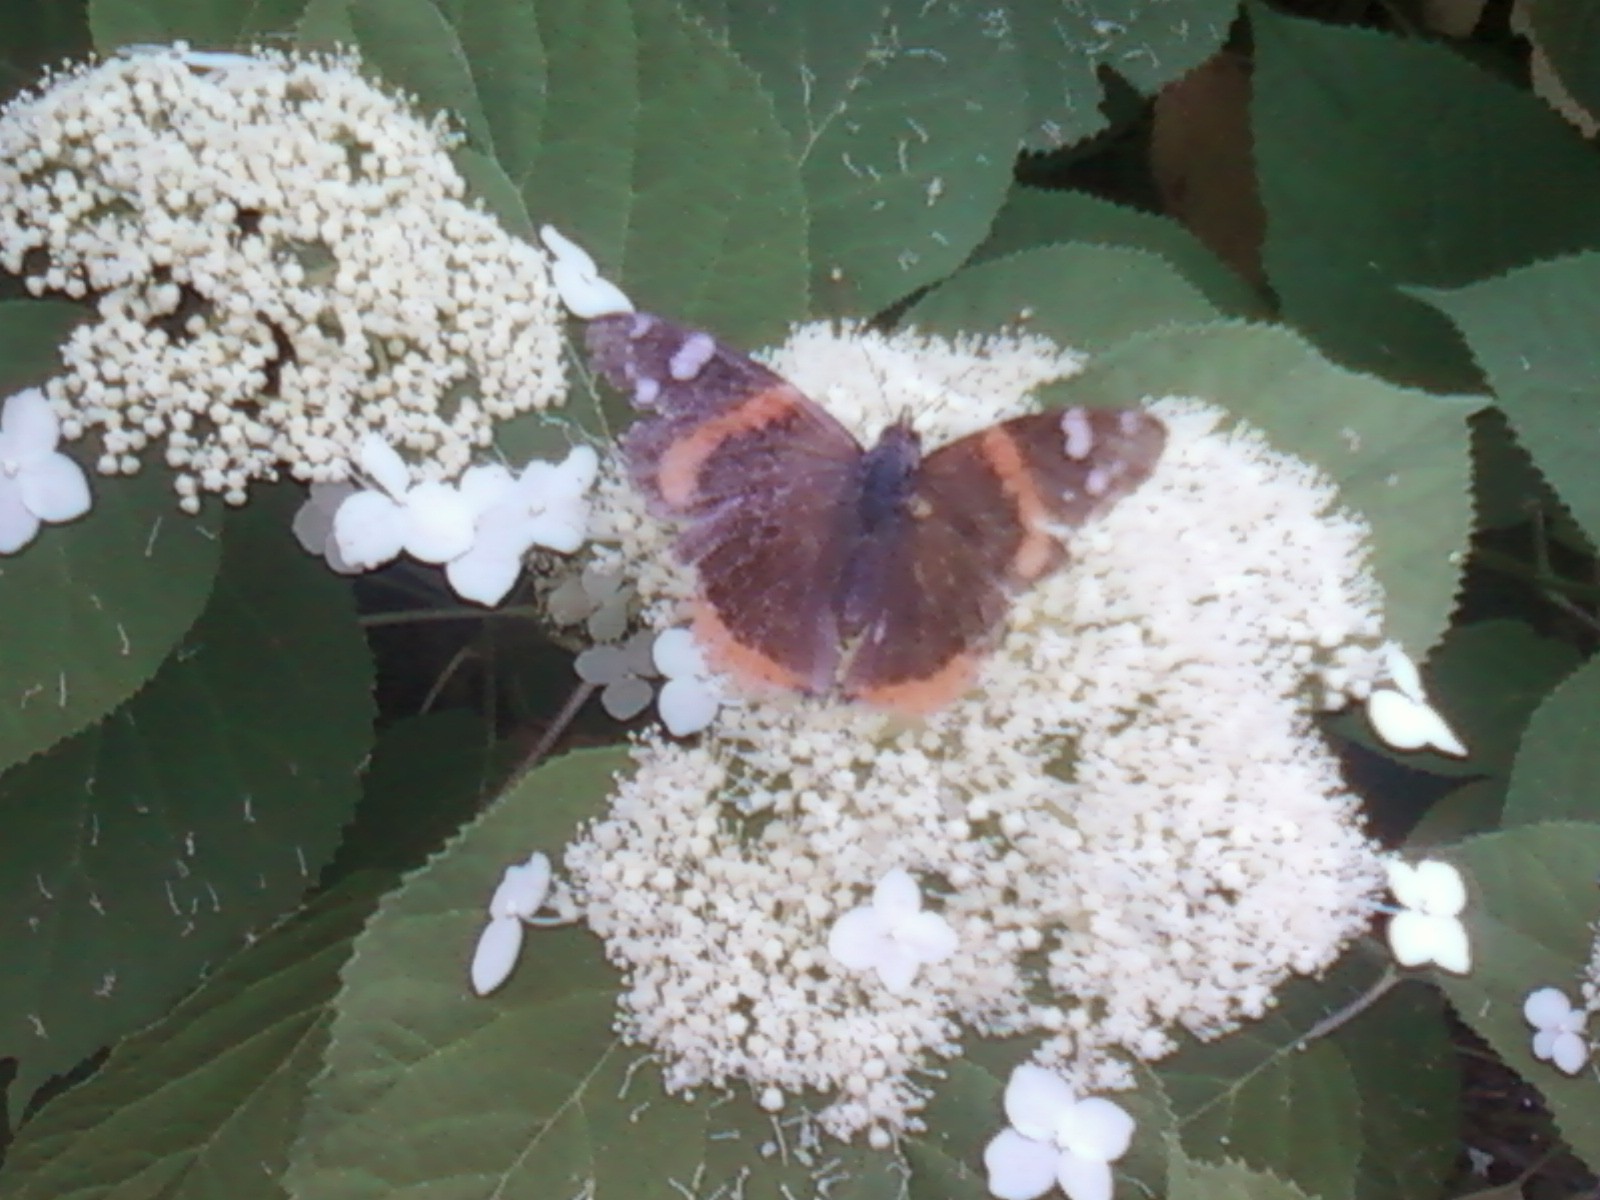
985, 520
758, 476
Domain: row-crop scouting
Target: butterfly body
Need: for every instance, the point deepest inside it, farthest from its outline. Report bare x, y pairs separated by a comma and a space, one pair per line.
879, 572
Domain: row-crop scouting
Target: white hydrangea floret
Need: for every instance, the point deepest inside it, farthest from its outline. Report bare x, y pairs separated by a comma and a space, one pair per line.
517, 899
38, 484
432, 522
892, 935
622, 672
585, 292
597, 596
313, 523
692, 693
1402, 716
1139, 829
1428, 928
282, 259
1558, 1029
1055, 1140
545, 505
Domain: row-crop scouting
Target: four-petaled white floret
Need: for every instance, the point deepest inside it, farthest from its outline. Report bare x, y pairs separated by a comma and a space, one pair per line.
38, 484
1055, 1140
1559, 1029
1428, 927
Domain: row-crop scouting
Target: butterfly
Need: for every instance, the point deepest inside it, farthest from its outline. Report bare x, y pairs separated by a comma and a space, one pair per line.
823, 566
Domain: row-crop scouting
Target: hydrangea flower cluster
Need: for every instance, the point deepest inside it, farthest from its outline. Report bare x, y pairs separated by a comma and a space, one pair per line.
282, 262
1130, 827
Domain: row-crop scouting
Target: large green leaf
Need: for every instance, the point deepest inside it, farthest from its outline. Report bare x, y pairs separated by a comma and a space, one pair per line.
1529, 331
903, 115
1034, 217
1400, 457
1553, 778
212, 24
1086, 297
1531, 922
206, 1102
1066, 45
91, 608
662, 156
143, 849
1192, 1178
432, 1092
1568, 32
1387, 161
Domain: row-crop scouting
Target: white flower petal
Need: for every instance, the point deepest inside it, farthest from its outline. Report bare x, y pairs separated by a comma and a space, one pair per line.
857, 939
496, 954
313, 525
369, 529
1083, 1178
483, 576
564, 250
897, 968
600, 665
610, 620
1546, 1008
1403, 673
677, 655
522, 888
927, 935
1417, 938
1019, 1168
381, 463
687, 706
440, 523
1569, 1053
17, 525
485, 486
1451, 950
1036, 1101
1544, 1044
29, 426
54, 488
1443, 892
1405, 884
1096, 1129
897, 895
588, 296
569, 603
627, 697
560, 527
581, 468
1399, 721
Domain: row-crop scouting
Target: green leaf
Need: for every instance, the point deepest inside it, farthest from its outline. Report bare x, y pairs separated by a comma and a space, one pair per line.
206, 1102
430, 1091
1065, 46
207, 24
1553, 778
39, 34
1033, 217
1087, 297
1400, 457
903, 115
90, 608
1192, 1179
1568, 31
1387, 161
662, 157
1531, 921
1527, 331
144, 848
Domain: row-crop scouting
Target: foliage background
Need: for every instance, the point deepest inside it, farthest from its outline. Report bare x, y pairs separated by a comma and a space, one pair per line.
242, 861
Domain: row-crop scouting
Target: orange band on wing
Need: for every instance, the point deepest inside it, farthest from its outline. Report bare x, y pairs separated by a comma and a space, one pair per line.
727, 655
678, 475
919, 697
1038, 551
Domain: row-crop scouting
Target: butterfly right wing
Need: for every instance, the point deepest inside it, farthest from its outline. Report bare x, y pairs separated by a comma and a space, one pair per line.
761, 478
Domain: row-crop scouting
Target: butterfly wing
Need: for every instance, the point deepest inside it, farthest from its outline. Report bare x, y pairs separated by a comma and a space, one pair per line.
985, 520
761, 479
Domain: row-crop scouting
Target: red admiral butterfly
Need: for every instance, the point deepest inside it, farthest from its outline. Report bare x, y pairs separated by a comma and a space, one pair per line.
822, 564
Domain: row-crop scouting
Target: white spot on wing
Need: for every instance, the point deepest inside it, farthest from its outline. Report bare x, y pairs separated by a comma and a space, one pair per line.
1079, 435
691, 357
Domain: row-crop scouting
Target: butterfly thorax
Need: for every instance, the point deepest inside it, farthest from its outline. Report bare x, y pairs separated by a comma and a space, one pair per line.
888, 481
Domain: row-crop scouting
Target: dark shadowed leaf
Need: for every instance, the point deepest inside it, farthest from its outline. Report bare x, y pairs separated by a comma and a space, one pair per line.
1388, 161
150, 846
1555, 777
1534, 901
